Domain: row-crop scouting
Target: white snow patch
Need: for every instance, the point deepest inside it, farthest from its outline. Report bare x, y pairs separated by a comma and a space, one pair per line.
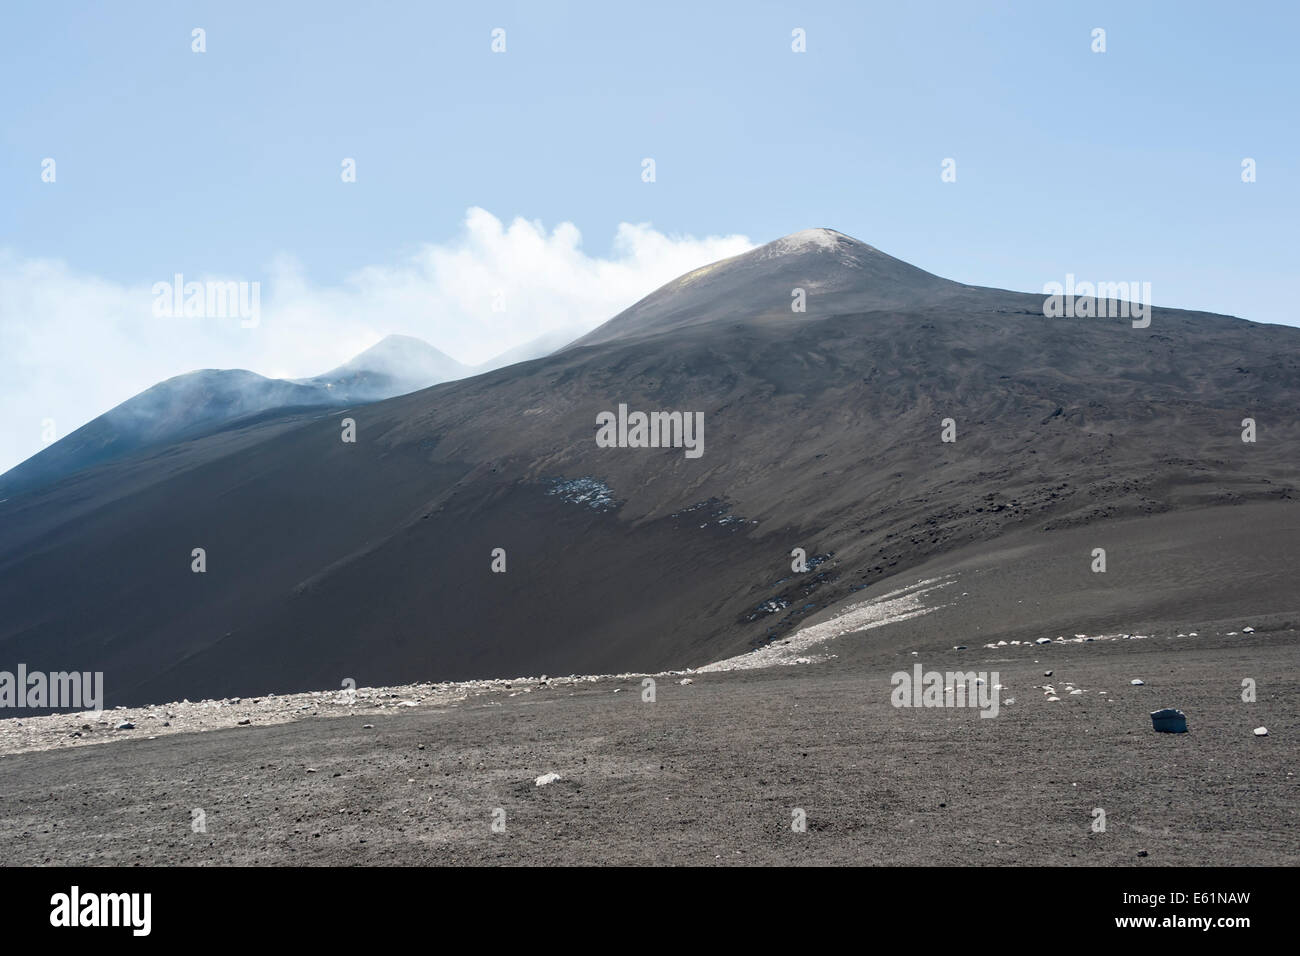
900, 605
811, 240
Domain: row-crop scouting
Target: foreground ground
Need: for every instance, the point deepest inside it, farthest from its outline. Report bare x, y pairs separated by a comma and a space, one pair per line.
713, 771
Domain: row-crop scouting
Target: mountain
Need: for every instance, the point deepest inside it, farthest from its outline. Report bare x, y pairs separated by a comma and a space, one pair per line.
395, 366
822, 431
182, 407
837, 274
197, 403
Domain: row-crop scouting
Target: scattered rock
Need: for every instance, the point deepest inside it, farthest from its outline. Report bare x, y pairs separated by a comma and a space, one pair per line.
245, 722
126, 725
546, 778
686, 680
1169, 721
1137, 683
1043, 640
1047, 673
1142, 852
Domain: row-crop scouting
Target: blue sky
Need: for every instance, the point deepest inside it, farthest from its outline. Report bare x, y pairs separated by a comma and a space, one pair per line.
1123, 165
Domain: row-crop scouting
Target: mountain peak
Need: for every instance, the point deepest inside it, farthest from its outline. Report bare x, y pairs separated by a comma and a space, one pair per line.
394, 365
817, 242
838, 274
397, 340
813, 240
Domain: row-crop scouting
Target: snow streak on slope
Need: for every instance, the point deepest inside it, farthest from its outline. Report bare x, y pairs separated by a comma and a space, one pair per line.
900, 605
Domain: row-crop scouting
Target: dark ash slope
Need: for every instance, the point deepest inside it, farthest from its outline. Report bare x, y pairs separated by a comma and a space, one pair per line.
822, 431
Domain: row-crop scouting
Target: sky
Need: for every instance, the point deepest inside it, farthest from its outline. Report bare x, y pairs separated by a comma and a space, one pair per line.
500, 195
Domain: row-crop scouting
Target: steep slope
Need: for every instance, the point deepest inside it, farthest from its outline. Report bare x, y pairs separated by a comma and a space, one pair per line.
373, 560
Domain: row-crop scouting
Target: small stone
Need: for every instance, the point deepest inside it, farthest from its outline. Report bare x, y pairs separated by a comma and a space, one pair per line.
686, 680
1043, 640
1261, 731
1169, 721
1142, 852
245, 722
126, 725
1047, 673
1137, 683
546, 778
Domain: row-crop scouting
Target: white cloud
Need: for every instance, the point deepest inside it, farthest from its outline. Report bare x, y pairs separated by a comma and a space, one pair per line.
73, 345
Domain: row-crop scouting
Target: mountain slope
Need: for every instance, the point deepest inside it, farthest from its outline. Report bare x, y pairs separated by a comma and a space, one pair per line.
836, 273
196, 403
179, 408
372, 560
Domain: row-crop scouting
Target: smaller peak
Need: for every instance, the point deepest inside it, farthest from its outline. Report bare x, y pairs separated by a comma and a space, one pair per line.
407, 341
